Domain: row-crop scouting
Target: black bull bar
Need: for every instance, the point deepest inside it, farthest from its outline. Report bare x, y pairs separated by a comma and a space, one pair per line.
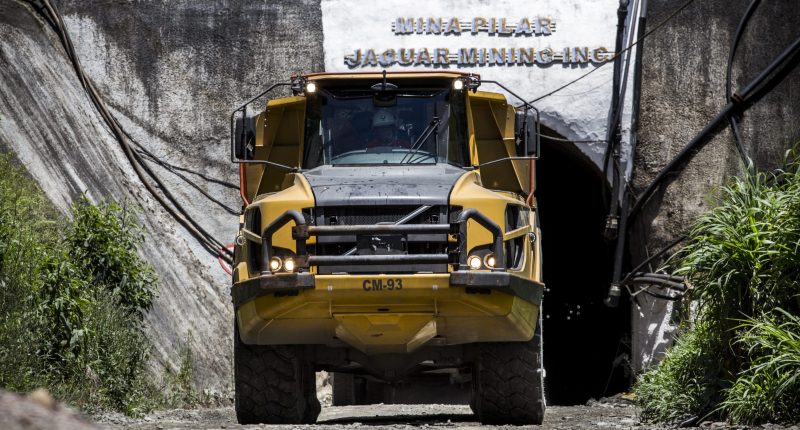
302, 231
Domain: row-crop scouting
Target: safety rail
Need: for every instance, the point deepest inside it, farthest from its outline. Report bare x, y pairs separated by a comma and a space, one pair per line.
302, 231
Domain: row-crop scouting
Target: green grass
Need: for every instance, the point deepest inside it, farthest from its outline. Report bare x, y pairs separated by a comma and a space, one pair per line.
73, 294
743, 261
769, 389
687, 383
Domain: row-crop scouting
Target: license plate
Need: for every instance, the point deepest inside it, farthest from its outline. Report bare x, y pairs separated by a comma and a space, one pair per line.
382, 284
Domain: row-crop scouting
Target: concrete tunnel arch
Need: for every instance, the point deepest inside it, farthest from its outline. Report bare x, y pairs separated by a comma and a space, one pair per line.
586, 344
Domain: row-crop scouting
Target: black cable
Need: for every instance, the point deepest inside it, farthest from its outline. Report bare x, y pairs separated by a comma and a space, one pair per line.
663, 296
758, 91
733, 119
141, 169
677, 286
166, 165
661, 252
660, 276
145, 152
137, 163
169, 168
559, 139
667, 19
770, 77
174, 170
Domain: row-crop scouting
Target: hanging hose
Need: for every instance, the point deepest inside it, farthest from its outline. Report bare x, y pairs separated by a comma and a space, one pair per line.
226, 266
734, 119
770, 77
142, 170
170, 168
143, 151
740, 102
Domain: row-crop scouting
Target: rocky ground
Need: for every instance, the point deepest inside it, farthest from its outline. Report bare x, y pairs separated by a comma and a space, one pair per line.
595, 415
39, 411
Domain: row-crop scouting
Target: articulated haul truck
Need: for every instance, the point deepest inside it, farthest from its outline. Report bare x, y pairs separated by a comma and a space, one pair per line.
389, 236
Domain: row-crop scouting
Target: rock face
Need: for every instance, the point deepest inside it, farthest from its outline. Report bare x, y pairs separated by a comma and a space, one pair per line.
171, 73
683, 87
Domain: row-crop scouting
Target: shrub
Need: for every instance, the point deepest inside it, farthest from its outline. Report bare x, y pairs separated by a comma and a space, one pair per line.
686, 384
102, 240
769, 389
743, 260
73, 301
27, 234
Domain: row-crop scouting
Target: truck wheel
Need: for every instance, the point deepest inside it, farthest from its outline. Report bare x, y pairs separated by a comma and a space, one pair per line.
508, 387
274, 384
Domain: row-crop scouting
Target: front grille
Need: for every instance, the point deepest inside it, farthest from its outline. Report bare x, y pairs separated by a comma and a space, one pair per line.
375, 244
355, 215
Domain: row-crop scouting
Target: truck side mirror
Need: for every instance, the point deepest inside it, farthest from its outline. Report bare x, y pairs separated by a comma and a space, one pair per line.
244, 138
525, 127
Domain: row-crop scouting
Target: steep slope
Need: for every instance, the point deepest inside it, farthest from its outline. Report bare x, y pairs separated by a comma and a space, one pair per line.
171, 73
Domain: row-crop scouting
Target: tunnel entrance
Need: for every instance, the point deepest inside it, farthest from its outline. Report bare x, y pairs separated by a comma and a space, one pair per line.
586, 344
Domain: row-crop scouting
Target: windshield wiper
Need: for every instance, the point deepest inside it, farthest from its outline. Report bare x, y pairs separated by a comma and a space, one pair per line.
422, 138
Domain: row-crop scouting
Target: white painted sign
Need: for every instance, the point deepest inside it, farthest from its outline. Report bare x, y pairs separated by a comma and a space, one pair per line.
471, 56
531, 47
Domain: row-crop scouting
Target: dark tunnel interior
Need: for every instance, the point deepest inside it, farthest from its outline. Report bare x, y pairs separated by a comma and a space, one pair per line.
586, 344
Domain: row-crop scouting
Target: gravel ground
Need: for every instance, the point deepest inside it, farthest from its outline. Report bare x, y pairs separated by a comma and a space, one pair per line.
385, 416
596, 415
39, 410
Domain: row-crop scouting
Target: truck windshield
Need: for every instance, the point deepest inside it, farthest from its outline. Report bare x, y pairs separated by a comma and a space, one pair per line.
355, 127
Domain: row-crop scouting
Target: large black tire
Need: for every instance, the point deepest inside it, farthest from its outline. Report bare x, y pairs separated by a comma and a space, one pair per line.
508, 383
274, 384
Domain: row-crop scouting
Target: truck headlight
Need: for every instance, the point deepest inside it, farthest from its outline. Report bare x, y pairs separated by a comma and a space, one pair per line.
489, 260
275, 264
474, 262
288, 265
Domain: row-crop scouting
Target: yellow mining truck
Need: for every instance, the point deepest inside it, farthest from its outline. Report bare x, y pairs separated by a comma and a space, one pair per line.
389, 236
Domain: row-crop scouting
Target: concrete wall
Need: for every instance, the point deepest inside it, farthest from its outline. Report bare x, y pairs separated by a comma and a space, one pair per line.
171, 72
683, 88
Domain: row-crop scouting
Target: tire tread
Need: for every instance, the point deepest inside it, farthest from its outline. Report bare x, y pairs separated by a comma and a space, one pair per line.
507, 383
274, 385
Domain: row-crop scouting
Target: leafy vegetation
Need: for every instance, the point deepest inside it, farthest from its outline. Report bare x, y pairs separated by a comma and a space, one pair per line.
768, 390
739, 358
179, 390
73, 295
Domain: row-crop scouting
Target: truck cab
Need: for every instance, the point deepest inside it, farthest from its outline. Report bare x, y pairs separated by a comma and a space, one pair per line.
389, 236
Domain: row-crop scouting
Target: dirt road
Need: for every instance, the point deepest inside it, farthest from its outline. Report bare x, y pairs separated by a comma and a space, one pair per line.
602, 415
615, 413
40, 411
387, 416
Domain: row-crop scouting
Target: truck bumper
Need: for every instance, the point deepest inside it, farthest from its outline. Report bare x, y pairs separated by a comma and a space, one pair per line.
380, 314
